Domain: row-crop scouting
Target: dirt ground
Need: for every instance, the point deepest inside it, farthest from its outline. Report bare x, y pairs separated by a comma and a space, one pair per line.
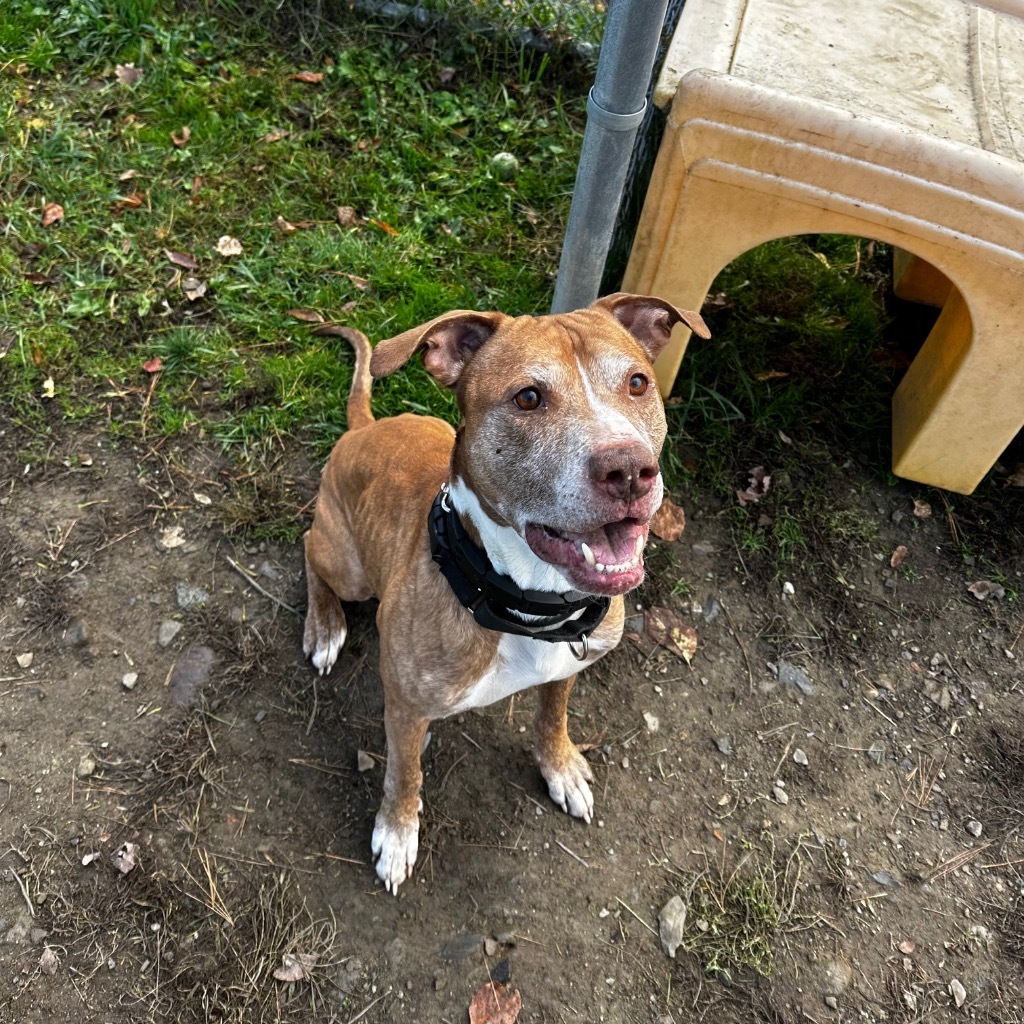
833, 785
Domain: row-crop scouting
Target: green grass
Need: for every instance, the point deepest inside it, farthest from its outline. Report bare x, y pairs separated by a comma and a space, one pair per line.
380, 133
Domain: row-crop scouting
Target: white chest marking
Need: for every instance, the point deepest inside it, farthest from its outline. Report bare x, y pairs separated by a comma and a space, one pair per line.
523, 662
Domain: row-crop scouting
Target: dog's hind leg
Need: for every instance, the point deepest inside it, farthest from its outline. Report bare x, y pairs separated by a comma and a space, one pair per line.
564, 768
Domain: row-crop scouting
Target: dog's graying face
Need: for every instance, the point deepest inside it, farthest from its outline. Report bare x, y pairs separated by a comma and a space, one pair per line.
562, 426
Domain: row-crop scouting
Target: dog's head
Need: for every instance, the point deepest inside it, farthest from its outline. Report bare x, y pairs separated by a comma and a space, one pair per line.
562, 425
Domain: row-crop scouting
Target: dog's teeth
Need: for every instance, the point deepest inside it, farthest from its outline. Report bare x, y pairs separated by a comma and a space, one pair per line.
599, 567
588, 554
639, 546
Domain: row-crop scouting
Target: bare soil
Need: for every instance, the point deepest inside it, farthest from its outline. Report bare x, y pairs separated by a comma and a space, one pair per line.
859, 844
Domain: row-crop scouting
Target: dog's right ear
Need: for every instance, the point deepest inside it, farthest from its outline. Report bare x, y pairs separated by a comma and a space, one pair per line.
450, 342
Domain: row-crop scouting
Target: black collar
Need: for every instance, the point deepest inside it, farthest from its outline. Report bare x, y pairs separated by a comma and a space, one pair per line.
493, 598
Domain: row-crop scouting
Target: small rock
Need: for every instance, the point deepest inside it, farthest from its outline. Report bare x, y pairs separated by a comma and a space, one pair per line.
837, 977
799, 756
190, 673
712, 609
363, 761
651, 721
459, 947
25, 660
831, 1002
780, 795
86, 766
703, 549
672, 924
974, 827
788, 589
77, 634
269, 571
190, 596
168, 630
129, 679
37, 935
958, 992
907, 946
48, 962
171, 538
125, 857
259, 716
795, 678
724, 744
884, 878
491, 946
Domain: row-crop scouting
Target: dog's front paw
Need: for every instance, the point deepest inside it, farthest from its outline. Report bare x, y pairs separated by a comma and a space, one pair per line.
395, 845
323, 642
569, 785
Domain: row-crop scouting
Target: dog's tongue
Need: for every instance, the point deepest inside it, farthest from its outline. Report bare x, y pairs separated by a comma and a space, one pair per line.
614, 543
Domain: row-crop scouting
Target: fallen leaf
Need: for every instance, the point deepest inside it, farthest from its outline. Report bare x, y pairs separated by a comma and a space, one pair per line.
669, 521
349, 306
493, 1003
897, 556
39, 280
784, 438
52, 212
296, 967
170, 538
760, 481
360, 282
228, 246
668, 630
309, 316
365, 144
384, 226
154, 365
770, 375
125, 858
181, 259
907, 946
347, 216
202, 499
445, 75
193, 288
132, 201
128, 74
30, 250
310, 77
276, 135
922, 509
48, 962
181, 139
47, 391
983, 589
127, 175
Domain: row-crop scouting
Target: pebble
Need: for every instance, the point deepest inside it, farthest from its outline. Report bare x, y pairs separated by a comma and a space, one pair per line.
86, 766
459, 947
703, 549
724, 745
25, 660
788, 589
259, 716
269, 571
795, 678
799, 756
712, 609
171, 538
831, 1002
168, 630
651, 721
672, 924
837, 977
491, 946
974, 827
190, 673
129, 679
77, 634
780, 795
363, 761
190, 596
958, 992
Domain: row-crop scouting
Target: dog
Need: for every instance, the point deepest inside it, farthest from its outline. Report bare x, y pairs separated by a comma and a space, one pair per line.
499, 552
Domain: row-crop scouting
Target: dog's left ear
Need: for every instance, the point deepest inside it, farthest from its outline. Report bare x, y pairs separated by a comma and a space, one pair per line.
649, 319
450, 342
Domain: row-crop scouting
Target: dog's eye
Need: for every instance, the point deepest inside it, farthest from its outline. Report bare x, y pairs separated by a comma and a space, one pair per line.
528, 399
638, 384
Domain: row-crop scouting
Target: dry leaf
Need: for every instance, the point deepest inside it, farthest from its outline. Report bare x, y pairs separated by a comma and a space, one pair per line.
30, 250
384, 226
38, 280
445, 75
760, 481
182, 138
202, 499
762, 375
125, 858
276, 135
922, 509
347, 216
154, 365
360, 282
668, 630
493, 1003
310, 316
193, 288
48, 962
296, 967
129, 202
286, 226
983, 589
127, 175
228, 246
349, 306
52, 212
310, 77
181, 259
897, 556
907, 946
669, 521
127, 74
47, 391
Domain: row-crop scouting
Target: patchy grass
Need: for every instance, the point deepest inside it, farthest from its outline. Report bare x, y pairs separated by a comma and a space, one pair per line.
219, 138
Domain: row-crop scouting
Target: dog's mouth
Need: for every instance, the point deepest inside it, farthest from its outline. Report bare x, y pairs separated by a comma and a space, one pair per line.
607, 560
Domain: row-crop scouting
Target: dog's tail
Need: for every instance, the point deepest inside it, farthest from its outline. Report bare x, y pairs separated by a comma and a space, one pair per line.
359, 412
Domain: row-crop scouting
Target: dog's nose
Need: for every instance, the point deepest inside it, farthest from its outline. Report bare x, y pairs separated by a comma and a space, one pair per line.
624, 472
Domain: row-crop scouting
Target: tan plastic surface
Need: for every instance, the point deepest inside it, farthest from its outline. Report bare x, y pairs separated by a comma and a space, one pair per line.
901, 120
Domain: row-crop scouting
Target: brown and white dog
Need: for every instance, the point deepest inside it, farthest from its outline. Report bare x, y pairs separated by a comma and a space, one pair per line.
545, 491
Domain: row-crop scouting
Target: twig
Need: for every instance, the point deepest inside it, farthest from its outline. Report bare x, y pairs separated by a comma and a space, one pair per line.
10, 788
739, 643
626, 906
878, 710
316, 704
266, 593
24, 892
471, 740
575, 856
363, 1012
958, 860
